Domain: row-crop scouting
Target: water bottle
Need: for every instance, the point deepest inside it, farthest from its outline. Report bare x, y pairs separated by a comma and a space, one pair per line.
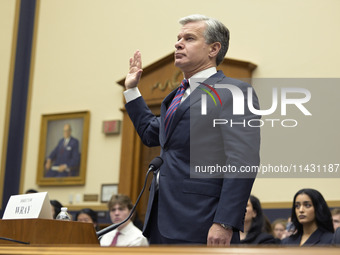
63, 215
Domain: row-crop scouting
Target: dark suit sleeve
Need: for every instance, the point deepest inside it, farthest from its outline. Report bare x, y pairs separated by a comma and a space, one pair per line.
260, 238
74, 160
53, 154
241, 147
146, 123
336, 237
265, 238
293, 240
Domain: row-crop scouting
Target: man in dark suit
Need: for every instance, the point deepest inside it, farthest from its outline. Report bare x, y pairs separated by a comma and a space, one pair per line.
64, 160
336, 237
202, 210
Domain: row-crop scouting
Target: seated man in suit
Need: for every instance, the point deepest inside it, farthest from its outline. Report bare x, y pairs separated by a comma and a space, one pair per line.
181, 209
336, 218
64, 160
336, 237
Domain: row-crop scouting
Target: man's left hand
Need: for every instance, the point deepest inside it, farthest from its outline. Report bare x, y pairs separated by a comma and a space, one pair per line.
218, 236
62, 168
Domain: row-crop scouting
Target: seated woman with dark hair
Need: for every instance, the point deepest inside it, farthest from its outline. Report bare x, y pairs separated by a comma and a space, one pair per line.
88, 215
55, 207
254, 225
312, 219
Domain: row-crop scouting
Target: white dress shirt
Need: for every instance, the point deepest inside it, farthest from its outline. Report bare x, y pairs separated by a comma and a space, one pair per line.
130, 235
66, 141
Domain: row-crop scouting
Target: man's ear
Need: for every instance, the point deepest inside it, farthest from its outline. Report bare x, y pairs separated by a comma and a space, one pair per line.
214, 49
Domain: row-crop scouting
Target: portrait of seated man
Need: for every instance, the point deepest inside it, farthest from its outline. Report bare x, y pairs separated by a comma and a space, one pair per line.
64, 160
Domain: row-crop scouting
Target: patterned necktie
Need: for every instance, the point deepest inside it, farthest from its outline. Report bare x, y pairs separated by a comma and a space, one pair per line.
174, 105
114, 241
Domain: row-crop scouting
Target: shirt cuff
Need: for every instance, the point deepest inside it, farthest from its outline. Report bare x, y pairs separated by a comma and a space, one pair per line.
131, 94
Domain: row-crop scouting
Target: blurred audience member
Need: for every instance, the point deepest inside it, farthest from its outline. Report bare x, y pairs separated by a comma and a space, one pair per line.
336, 218
89, 216
336, 238
55, 207
290, 229
312, 219
267, 226
254, 225
30, 191
279, 227
127, 234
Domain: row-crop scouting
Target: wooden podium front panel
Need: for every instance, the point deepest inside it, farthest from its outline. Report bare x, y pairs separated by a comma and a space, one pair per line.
41, 231
158, 80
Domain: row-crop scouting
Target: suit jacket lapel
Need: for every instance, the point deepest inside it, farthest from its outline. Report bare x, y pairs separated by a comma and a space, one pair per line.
214, 79
184, 106
164, 106
314, 238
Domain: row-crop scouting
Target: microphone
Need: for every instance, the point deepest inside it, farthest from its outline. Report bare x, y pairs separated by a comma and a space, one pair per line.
153, 166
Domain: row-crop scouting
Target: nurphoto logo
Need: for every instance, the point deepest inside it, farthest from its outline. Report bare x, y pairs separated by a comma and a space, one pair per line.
239, 99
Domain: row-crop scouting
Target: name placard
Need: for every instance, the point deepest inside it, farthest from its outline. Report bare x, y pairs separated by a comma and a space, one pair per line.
28, 206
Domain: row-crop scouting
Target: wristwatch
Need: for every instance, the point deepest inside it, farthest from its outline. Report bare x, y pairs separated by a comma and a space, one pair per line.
226, 227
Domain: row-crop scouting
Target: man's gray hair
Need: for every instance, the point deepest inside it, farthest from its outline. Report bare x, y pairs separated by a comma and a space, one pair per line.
215, 32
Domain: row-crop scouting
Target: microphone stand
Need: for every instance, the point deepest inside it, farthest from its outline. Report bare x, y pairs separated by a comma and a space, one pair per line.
152, 168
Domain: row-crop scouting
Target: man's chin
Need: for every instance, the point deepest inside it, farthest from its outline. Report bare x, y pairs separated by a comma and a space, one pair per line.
179, 63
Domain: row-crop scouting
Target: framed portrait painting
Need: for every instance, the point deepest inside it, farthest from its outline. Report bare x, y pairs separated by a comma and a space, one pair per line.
63, 149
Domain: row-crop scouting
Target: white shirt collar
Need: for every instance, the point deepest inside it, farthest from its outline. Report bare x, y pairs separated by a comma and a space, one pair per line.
66, 141
201, 76
126, 229
205, 73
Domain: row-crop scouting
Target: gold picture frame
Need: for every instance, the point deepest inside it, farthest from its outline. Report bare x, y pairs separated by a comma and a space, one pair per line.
63, 161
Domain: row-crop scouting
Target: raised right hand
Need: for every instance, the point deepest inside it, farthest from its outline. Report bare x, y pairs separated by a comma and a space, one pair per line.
135, 72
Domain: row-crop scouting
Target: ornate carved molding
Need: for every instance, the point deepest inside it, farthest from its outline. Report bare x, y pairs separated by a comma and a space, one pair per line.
171, 83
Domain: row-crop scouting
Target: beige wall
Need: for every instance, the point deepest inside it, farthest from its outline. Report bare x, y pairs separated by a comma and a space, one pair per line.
83, 47
7, 14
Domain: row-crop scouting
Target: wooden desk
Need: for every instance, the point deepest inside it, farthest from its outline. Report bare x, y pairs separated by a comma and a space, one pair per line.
48, 232
165, 250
